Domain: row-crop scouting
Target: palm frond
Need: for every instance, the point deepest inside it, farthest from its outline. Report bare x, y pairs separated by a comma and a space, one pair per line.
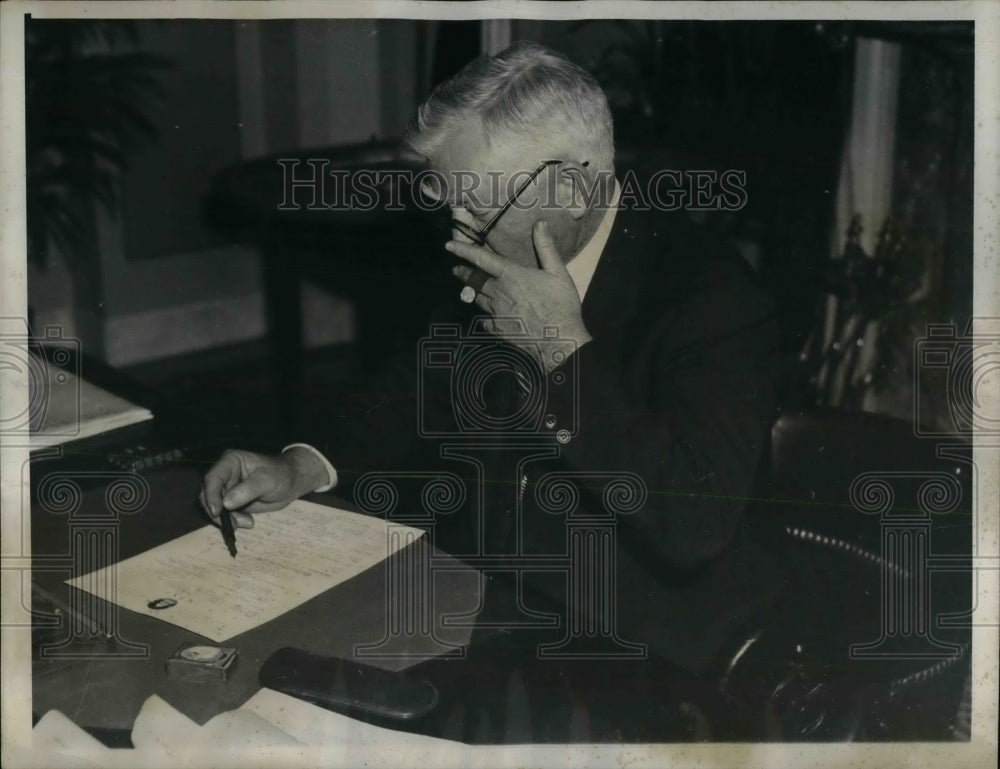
88, 103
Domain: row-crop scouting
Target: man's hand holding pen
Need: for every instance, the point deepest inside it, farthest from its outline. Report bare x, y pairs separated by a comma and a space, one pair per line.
244, 482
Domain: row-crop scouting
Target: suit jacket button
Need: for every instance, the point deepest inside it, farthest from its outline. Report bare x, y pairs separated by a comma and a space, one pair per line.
550, 421
563, 436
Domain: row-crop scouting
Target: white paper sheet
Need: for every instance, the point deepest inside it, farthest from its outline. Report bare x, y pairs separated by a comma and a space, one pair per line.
289, 556
55, 732
76, 408
160, 727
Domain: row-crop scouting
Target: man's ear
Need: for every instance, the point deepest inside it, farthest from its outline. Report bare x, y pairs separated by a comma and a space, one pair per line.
575, 189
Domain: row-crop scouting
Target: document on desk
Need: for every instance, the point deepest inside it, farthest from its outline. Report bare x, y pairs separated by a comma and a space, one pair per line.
80, 409
289, 556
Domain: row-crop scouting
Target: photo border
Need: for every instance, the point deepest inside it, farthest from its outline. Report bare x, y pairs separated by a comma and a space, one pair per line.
16, 672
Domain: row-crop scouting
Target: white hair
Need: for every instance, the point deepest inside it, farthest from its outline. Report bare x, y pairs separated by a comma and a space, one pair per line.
524, 91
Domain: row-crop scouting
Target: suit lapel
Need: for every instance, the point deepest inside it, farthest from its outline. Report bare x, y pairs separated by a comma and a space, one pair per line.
613, 297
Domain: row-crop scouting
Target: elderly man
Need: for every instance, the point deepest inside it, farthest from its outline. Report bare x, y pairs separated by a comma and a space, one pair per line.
662, 375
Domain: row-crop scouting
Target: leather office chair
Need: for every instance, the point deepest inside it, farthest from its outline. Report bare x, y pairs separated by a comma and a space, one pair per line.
862, 512
789, 674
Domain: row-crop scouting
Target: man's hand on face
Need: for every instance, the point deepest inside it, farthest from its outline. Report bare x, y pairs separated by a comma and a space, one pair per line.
540, 297
258, 483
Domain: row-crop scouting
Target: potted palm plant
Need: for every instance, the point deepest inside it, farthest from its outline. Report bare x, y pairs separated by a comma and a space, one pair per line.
89, 92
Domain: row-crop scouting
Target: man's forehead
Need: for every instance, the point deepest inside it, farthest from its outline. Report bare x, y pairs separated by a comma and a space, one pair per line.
469, 162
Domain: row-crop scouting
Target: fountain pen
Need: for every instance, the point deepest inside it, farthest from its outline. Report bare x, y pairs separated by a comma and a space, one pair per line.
228, 532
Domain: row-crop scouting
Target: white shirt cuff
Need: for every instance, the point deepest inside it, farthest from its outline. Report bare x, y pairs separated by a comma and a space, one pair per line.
331, 472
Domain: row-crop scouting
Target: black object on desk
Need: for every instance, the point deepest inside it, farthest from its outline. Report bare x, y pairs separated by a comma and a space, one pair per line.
347, 686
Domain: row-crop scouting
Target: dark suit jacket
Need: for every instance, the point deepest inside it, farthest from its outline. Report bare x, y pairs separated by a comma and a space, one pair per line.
677, 388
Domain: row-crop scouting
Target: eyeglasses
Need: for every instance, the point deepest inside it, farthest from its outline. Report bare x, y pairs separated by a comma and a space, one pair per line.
479, 236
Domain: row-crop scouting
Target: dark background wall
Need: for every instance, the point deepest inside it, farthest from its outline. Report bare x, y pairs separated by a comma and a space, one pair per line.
775, 99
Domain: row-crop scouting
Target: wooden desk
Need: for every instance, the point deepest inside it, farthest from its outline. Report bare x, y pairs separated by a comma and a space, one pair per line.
502, 692
499, 693
106, 691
